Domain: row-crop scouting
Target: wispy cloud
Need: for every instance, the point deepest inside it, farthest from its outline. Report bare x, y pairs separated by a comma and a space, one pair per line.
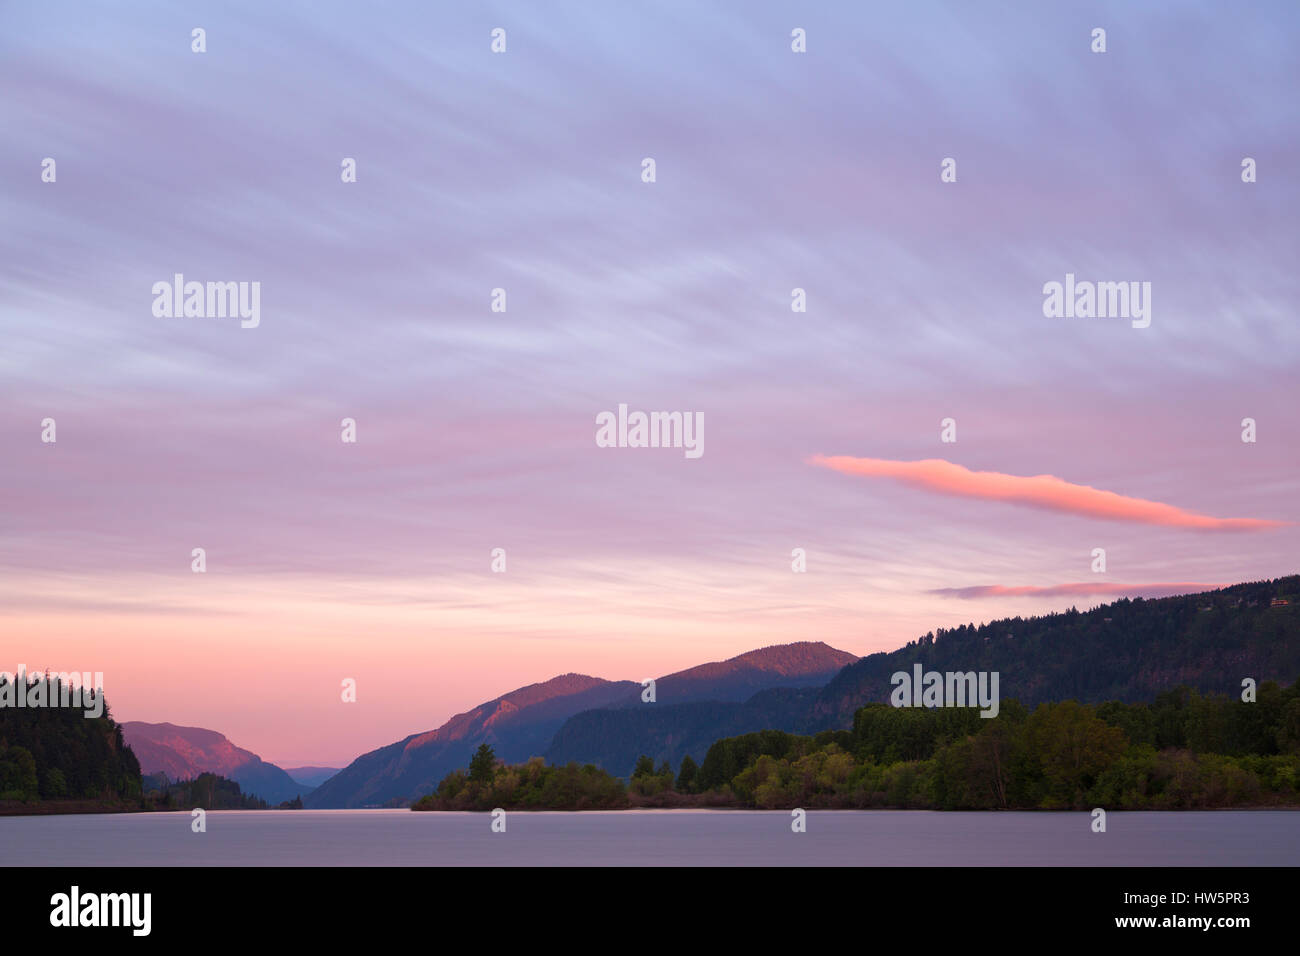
1080, 588
1038, 491
522, 171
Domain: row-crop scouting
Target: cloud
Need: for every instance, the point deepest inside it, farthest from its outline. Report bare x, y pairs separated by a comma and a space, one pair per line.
1039, 491
1081, 588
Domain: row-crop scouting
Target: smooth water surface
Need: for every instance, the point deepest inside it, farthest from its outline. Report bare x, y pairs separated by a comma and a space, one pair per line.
655, 837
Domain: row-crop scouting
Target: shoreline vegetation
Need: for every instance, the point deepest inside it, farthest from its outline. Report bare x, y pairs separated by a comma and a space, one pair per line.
1184, 751
207, 791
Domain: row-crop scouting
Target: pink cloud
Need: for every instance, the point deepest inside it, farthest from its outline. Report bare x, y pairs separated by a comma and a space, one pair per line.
1082, 588
1040, 491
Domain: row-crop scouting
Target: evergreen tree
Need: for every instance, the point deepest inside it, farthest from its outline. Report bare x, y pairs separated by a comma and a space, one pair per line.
686, 776
482, 765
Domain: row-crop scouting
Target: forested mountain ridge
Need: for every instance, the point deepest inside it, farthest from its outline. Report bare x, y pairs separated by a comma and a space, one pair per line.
615, 737
1128, 650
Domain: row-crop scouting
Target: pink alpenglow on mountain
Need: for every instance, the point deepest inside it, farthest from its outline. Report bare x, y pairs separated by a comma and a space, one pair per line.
183, 753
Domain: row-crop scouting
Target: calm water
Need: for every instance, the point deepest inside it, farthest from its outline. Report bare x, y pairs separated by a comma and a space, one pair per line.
655, 837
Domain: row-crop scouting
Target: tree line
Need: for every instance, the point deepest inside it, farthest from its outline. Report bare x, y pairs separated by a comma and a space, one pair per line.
58, 753
1184, 750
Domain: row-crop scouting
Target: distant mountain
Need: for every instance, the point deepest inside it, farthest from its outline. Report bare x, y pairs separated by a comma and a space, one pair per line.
311, 777
517, 725
183, 753
522, 723
1129, 650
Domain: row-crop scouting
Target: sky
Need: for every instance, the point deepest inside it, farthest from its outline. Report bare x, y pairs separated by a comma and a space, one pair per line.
475, 429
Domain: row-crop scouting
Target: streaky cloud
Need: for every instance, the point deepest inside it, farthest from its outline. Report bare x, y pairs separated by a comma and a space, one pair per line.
1038, 491
1079, 588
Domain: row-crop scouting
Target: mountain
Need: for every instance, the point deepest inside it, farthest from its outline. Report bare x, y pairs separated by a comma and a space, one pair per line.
801, 664
522, 723
517, 725
1129, 650
615, 737
182, 753
311, 777
770, 687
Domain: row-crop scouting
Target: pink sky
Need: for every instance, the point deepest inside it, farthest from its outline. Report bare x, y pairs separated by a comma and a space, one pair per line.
476, 428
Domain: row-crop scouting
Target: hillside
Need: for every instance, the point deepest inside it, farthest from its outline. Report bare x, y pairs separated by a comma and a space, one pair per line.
771, 686
183, 753
311, 777
1129, 650
521, 724
801, 664
613, 738
516, 725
